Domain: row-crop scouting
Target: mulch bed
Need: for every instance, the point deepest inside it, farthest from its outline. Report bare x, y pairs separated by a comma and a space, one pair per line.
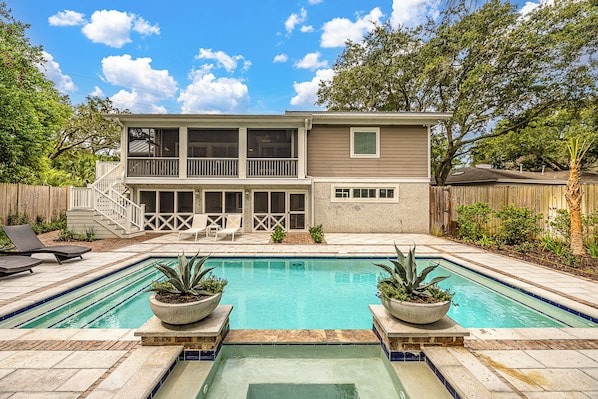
298, 238
585, 266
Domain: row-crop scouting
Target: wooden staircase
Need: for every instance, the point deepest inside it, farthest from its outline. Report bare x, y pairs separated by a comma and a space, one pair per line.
104, 207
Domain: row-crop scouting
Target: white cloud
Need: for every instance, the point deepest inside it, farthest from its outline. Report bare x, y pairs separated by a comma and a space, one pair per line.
311, 61
66, 18
312, 2
306, 28
97, 92
224, 60
209, 94
338, 30
307, 92
530, 6
146, 85
295, 19
413, 12
144, 28
113, 28
52, 70
281, 58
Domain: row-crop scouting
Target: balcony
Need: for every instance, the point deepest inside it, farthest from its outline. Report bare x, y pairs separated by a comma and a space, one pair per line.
272, 167
152, 167
212, 167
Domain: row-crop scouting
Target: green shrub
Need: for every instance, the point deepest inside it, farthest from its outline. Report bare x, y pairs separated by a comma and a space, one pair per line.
472, 221
555, 245
278, 234
517, 225
317, 233
561, 224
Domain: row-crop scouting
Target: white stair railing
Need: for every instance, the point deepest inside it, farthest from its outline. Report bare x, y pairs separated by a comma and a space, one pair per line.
102, 196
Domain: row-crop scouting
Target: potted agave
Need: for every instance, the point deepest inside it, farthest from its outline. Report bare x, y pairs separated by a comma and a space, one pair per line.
406, 296
189, 294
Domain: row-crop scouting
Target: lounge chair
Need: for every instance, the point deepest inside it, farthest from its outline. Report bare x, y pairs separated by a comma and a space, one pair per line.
17, 264
198, 225
233, 225
25, 242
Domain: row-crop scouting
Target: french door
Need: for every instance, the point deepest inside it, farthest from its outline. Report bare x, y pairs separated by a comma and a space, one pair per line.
278, 208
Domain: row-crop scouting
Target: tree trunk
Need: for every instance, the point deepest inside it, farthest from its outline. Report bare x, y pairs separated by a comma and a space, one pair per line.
573, 195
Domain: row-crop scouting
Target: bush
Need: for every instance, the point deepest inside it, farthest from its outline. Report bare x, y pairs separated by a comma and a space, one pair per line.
317, 233
472, 220
517, 225
278, 234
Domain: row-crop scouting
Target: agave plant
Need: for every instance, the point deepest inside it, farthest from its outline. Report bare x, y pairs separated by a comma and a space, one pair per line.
188, 278
406, 284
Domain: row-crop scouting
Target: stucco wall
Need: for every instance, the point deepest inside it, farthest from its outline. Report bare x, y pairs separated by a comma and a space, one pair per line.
409, 215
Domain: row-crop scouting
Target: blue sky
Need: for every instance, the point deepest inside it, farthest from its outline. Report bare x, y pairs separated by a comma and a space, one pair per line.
191, 56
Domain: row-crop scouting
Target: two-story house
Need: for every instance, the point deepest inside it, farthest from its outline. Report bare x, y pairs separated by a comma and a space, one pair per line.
350, 172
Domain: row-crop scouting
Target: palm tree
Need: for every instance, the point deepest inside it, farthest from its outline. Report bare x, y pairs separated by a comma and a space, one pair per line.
574, 193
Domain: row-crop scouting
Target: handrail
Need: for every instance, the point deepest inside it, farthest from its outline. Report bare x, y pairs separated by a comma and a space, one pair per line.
104, 199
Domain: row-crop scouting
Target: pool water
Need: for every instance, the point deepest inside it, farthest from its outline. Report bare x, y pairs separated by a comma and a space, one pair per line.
293, 372
292, 293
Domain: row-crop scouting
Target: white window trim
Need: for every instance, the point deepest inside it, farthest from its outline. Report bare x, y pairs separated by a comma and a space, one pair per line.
365, 130
377, 187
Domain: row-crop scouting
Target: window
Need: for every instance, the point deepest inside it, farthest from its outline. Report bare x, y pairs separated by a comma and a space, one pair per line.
213, 143
272, 143
365, 194
365, 142
342, 193
387, 193
154, 143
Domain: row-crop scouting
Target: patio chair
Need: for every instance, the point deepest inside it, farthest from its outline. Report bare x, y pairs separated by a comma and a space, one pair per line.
233, 225
17, 264
25, 242
198, 225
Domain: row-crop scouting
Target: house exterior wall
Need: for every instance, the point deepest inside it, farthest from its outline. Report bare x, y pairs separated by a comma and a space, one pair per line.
403, 153
410, 214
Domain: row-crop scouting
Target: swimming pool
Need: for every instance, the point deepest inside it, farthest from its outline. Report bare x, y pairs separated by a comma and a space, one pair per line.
292, 293
268, 371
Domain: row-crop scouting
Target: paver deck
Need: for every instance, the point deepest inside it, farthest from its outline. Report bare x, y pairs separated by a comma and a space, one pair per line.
495, 363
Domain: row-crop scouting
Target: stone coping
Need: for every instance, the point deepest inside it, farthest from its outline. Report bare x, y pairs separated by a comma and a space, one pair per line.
392, 327
211, 326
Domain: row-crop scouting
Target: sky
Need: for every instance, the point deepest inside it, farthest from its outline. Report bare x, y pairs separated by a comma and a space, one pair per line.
194, 56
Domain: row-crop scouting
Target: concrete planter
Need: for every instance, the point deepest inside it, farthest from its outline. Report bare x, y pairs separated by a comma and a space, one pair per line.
416, 313
184, 313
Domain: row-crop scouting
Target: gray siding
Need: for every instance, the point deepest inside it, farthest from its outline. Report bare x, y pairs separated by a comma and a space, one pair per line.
403, 153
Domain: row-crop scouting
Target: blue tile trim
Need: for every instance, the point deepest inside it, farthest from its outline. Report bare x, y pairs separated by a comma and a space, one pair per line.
163, 379
526, 292
397, 356
451, 390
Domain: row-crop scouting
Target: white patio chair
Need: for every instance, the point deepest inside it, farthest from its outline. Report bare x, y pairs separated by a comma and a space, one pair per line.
233, 225
198, 225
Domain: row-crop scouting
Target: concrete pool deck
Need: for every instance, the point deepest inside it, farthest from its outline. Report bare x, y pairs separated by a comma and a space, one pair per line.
544, 363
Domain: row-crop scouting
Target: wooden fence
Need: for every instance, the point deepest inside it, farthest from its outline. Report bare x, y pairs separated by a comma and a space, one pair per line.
32, 201
542, 199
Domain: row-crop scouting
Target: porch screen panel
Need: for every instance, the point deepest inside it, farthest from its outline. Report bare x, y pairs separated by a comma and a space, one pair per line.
166, 201
213, 202
260, 202
185, 202
233, 202
278, 202
149, 199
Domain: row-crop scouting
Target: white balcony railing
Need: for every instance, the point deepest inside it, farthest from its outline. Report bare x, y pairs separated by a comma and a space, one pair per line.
151, 167
272, 167
212, 167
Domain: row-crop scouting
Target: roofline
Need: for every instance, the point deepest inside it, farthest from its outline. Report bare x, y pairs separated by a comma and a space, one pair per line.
300, 118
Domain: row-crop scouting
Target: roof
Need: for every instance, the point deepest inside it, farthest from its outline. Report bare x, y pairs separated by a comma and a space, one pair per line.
470, 176
289, 118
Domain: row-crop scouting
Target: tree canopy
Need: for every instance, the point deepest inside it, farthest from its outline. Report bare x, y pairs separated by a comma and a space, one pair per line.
32, 109
495, 70
43, 138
